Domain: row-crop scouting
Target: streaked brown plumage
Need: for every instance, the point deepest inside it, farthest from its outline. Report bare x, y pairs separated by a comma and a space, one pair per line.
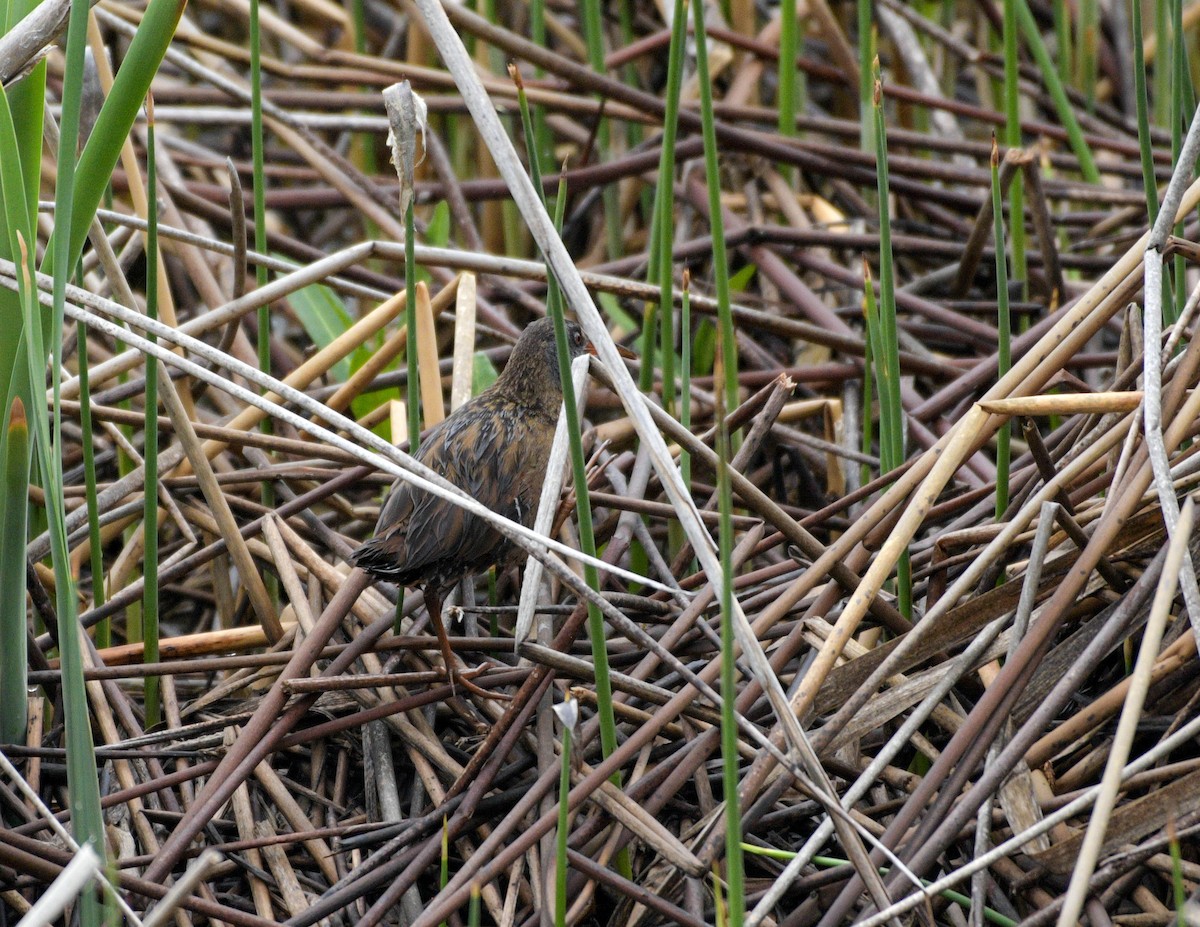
496, 447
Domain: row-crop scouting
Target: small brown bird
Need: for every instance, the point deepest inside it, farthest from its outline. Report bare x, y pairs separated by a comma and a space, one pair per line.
496, 447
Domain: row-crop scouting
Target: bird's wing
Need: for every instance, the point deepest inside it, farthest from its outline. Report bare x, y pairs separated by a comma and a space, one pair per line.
386, 552
472, 445
494, 453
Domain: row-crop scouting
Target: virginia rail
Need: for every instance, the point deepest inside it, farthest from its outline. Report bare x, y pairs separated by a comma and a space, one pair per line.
496, 447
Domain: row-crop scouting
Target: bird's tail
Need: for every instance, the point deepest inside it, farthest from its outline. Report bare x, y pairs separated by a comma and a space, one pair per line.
376, 558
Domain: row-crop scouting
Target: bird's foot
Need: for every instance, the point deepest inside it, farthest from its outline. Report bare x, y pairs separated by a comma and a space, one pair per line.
463, 677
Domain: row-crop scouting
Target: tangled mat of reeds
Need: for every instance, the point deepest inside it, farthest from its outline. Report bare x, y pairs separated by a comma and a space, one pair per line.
1040, 697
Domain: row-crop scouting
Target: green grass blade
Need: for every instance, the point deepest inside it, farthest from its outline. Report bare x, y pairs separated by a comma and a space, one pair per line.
564, 822
734, 862
82, 783
1062, 36
870, 352
13, 627
685, 372
1004, 328
891, 435
1145, 145
260, 182
69, 214
263, 333
1062, 105
1181, 97
26, 98
583, 507
661, 258
661, 229
788, 41
1162, 73
593, 36
83, 787
727, 354
1087, 27
104, 628
866, 54
474, 913
118, 113
720, 257
150, 451
1012, 136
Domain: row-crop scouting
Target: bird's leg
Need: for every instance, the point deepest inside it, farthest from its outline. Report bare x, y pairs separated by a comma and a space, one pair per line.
433, 603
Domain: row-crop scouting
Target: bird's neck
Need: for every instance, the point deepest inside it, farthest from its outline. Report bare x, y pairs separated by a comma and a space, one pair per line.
537, 391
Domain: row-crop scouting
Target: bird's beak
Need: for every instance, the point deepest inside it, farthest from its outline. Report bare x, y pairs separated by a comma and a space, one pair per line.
621, 349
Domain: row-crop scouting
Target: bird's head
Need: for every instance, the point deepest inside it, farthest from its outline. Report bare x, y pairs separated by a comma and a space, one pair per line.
531, 375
